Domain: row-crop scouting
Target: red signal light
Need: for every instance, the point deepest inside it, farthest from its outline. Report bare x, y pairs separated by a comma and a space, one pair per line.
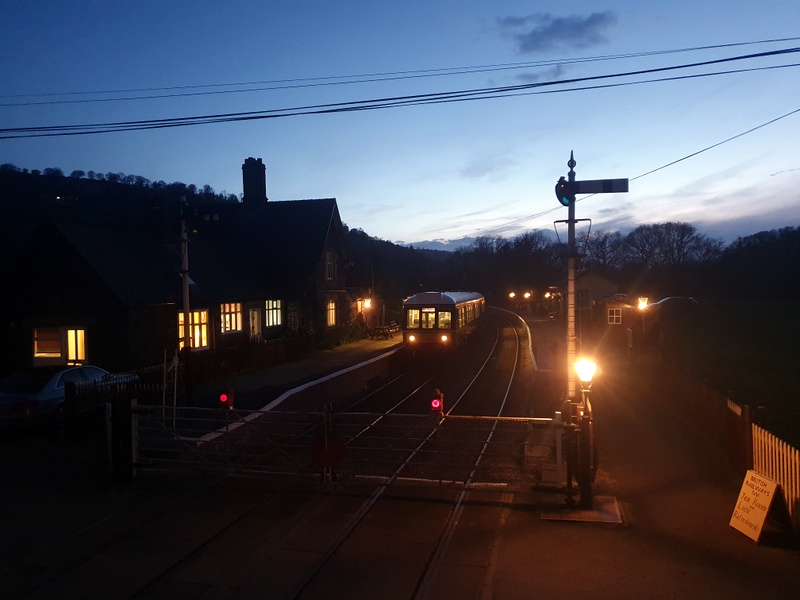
226, 399
437, 402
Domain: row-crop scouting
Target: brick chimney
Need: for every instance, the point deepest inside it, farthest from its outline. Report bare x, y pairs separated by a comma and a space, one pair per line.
254, 179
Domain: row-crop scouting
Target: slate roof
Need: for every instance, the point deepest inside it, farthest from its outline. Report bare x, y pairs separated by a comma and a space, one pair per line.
137, 271
250, 253
283, 241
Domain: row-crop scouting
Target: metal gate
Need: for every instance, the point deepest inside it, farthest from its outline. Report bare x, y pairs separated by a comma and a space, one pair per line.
506, 452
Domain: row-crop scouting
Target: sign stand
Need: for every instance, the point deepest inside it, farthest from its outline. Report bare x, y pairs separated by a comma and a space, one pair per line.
759, 498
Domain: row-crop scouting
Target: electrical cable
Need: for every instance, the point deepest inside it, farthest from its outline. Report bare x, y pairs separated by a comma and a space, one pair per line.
504, 226
355, 79
358, 105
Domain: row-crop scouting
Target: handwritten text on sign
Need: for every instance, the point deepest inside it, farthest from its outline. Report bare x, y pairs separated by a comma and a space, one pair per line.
753, 504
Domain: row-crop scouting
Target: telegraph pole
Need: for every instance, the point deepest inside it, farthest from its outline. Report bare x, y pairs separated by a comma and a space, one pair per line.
187, 331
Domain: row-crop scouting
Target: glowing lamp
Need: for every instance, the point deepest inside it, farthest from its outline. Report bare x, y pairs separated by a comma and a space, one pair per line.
585, 369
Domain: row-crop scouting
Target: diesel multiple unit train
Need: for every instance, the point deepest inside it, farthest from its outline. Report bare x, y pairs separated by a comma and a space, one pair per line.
440, 320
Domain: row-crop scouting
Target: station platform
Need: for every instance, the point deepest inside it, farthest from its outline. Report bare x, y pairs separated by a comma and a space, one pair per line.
665, 535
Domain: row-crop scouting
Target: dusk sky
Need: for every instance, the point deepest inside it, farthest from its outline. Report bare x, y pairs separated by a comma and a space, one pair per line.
414, 158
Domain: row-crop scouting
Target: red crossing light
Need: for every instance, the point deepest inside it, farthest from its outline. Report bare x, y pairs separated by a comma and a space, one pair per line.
437, 402
226, 399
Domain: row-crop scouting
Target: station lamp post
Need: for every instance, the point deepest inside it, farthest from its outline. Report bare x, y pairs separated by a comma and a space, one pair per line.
585, 370
642, 306
364, 308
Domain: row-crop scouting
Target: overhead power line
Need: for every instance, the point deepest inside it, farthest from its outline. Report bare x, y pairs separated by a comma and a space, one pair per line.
547, 211
376, 104
179, 91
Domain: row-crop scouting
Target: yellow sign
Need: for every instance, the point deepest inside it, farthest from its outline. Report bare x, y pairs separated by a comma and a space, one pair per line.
753, 504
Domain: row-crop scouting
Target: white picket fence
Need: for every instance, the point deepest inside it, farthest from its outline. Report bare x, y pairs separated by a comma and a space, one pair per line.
775, 459
730, 427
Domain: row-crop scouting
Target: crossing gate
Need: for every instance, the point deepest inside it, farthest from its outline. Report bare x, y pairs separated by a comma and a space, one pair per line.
501, 452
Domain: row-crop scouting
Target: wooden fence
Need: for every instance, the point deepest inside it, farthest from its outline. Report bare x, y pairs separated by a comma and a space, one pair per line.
732, 430
775, 459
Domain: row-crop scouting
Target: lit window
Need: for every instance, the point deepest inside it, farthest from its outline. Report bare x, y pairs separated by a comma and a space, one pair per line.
230, 317
331, 313
412, 318
47, 343
614, 316
428, 318
76, 345
274, 313
445, 319
198, 329
60, 343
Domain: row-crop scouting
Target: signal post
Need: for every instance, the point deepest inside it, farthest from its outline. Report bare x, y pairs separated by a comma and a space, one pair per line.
566, 190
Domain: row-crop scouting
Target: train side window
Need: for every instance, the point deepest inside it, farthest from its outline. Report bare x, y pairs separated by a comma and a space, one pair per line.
412, 318
445, 320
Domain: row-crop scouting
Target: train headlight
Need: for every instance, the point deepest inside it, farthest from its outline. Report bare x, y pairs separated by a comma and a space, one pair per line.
444, 337
412, 337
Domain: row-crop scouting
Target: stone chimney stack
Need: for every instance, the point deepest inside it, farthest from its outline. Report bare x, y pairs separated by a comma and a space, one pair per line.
254, 179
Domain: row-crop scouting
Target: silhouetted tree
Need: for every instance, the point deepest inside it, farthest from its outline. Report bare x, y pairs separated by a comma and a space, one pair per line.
765, 265
602, 251
642, 246
709, 250
679, 243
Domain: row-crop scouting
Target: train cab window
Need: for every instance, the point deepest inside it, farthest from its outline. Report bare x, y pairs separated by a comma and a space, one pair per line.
412, 318
428, 318
445, 320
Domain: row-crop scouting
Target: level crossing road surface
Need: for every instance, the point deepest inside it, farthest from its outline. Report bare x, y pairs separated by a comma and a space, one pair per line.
672, 496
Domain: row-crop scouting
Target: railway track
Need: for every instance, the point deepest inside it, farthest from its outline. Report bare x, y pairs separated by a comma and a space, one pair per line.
232, 537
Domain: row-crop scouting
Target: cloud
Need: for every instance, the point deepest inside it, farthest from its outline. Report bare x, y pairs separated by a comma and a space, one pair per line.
782, 172
491, 166
551, 74
548, 33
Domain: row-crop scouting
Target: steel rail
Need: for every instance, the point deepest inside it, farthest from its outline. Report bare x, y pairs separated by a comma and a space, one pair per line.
433, 562
425, 586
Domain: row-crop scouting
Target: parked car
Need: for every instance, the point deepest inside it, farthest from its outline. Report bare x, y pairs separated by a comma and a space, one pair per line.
675, 306
36, 396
